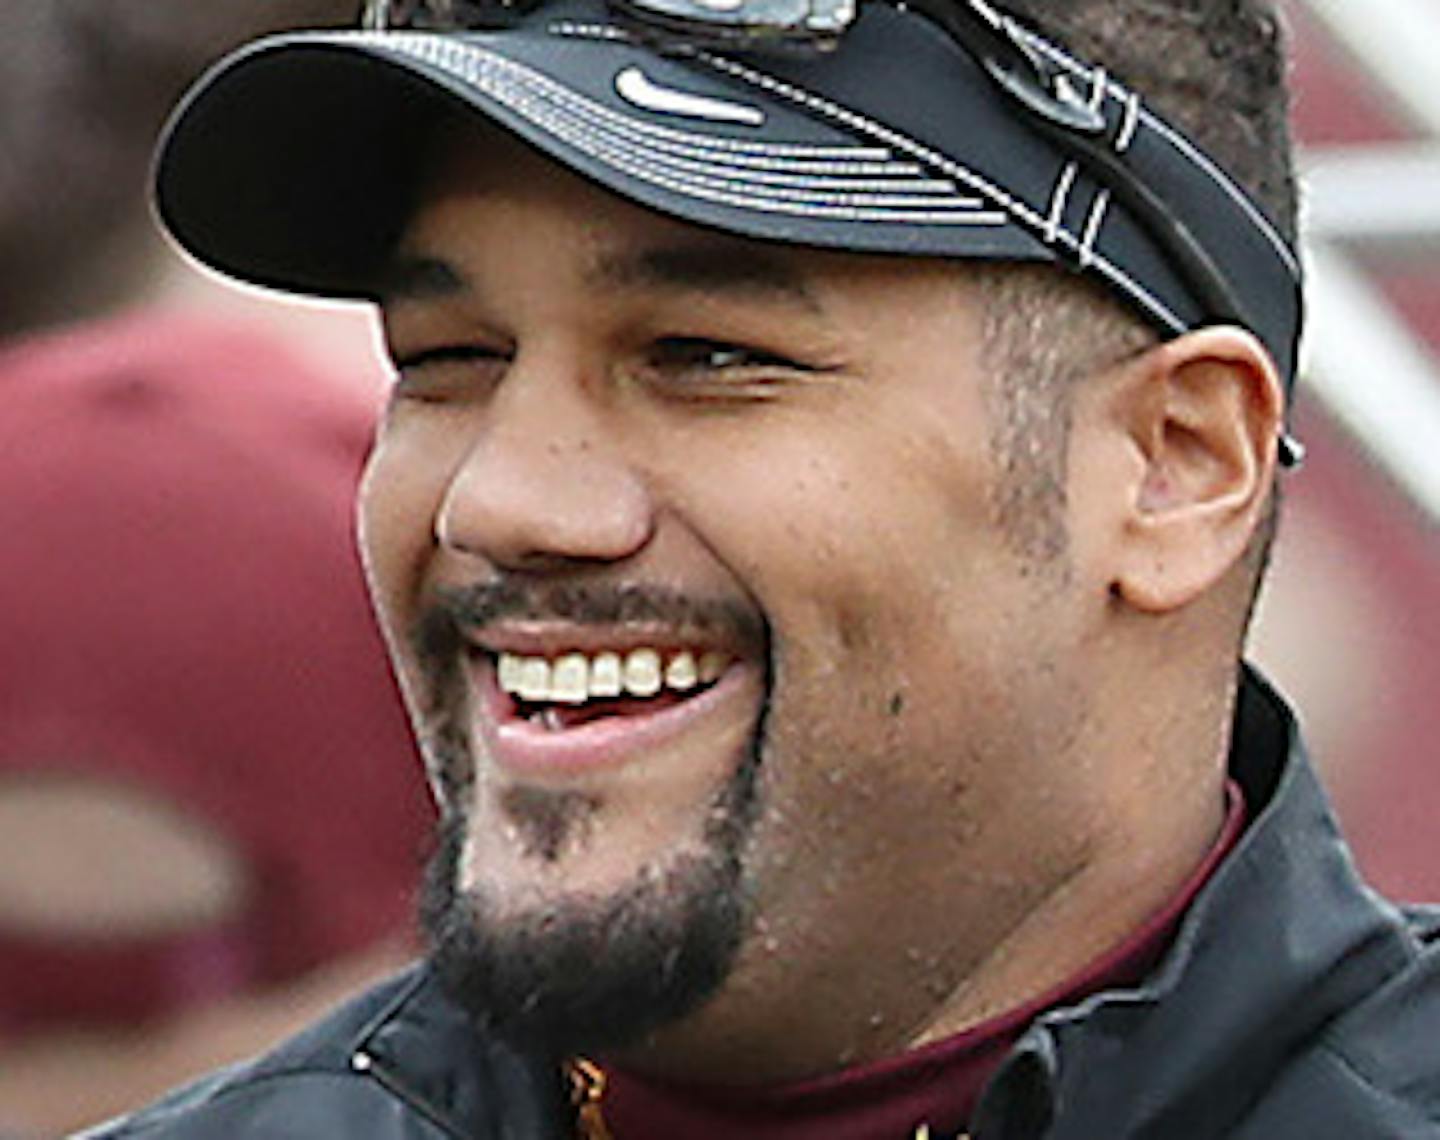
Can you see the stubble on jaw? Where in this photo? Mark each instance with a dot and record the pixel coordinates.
(439, 728)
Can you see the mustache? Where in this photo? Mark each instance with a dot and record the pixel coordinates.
(450, 611)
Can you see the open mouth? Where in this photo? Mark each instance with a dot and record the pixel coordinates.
(575, 710)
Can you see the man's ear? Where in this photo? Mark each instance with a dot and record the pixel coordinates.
(1202, 415)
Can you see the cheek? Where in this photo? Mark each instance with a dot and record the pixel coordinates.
(854, 558)
(400, 493)
(859, 554)
(898, 613)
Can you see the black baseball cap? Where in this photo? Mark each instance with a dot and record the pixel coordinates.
(293, 163)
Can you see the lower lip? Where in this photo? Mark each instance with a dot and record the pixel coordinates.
(607, 743)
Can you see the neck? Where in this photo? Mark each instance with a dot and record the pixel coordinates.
(1159, 816)
(1085, 916)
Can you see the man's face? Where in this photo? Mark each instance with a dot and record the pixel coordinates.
(769, 470)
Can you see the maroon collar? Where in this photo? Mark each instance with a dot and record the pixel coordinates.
(935, 1086)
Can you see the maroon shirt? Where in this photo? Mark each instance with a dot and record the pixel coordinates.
(935, 1086)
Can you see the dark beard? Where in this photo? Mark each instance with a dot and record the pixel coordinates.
(593, 976)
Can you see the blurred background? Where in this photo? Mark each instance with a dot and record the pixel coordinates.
(211, 816)
(1350, 623)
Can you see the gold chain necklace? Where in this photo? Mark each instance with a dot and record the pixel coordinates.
(587, 1090)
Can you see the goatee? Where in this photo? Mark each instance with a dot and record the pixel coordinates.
(590, 975)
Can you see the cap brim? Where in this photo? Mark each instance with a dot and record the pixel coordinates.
(295, 162)
(292, 165)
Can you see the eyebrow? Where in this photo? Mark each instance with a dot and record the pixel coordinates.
(419, 277)
(733, 270)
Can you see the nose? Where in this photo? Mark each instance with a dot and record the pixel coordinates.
(545, 483)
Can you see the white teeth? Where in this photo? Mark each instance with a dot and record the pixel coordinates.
(606, 675)
(642, 673)
(510, 671)
(681, 674)
(574, 678)
(549, 720)
(570, 680)
(534, 679)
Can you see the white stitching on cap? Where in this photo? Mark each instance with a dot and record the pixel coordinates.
(1065, 180)
(703, 163)
(490, 72)
(462, 60)
(1092, 228)
(1099, 83)
(1063, 185)
(1096, 216)
(623, 156)
(836, 192)
(720, 191)
(590, 31)
(1142, 113)
(1130, 125)
(1112, 86)
(1008, 202)
(885, 134)
(606, 119)
(838, 175)
(1102, 85)
(564, 112)
(1055, 234)
(849, 207)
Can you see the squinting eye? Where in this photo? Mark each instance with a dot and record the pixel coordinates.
(697, 353)
(448, 372)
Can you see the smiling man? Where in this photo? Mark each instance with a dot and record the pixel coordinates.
(830, 465)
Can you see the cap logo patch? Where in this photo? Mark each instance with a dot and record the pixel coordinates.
(634, 86)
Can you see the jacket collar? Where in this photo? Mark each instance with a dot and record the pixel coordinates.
(1283, 938)
(467, 1083)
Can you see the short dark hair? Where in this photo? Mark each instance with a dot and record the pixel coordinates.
(1216, 70)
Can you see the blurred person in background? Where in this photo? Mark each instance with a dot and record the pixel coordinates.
(188, 660)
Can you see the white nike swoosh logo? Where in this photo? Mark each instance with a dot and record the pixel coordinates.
(636, 87)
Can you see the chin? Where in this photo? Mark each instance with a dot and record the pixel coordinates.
(590, 967)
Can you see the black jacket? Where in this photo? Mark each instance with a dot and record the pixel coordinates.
(1294, 1003)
